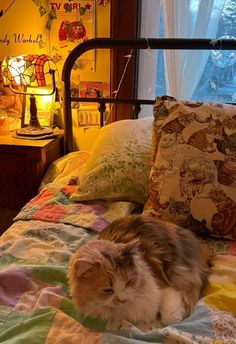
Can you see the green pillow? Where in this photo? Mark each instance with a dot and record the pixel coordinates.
(119, 165)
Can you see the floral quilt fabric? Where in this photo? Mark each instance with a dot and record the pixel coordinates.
(35, 306)
(52, 204)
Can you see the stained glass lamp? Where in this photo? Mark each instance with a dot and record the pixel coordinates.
(30, 72)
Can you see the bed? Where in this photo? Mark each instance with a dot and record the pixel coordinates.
(84, 191)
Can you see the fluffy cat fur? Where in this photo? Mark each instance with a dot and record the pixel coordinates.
(137, 269)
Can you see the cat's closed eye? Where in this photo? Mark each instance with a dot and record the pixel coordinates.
(108, 290)
(130, 282)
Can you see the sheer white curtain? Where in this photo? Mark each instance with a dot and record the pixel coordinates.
(188, 19)
(150, 21)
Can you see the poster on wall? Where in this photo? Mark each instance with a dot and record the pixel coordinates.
(45, 27)
(88, 114)
(74, 23)
(94, 89)
(22, 29)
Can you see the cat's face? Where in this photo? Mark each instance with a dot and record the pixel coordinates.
(185, 119)
(167, 140)
(199, 170)
(104, 275)
(214, 132)
(229, 125)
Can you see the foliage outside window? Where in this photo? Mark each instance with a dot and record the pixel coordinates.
(218, 81)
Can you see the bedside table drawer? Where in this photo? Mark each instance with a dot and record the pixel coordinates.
(16, 183)
(23, 164)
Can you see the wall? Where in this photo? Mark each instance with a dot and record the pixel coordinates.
(22, 31)
(85, 137)
(18, 24)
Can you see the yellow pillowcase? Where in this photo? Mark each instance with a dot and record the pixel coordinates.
(119, 165)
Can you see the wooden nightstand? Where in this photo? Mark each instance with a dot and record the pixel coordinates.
(23, 164)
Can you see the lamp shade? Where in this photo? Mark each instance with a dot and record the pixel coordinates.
(28, 70)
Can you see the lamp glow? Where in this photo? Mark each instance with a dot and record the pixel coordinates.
(36, 75)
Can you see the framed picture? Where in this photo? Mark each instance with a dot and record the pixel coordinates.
(88, 115)
(74, 23)
(94, 89)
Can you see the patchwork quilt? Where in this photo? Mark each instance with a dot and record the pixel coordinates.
(53, 205)
(35, 305)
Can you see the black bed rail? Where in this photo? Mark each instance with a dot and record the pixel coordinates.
(103, 101)
(136, 44)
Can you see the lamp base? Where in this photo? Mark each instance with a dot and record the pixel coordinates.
(33, 132)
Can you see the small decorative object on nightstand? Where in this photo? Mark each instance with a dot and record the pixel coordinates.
(23, 164)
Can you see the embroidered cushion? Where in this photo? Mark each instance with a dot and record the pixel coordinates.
(119, 165)
(193, 175)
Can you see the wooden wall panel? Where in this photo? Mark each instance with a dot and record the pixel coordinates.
(125, 19)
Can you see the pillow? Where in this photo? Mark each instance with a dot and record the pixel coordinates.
(119, 165)
(65, 168)
(193, 175)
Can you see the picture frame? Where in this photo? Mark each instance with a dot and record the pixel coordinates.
(88, 116)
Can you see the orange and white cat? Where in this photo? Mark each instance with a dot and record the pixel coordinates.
(137, 269)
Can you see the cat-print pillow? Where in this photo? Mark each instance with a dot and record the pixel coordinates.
(193, 175)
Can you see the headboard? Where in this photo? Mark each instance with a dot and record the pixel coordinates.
(136, 44)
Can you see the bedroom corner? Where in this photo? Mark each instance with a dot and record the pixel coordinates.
(55, 28)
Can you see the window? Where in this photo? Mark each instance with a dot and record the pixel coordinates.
(217, 81)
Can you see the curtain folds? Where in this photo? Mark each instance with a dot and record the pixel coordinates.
(188, 19)
(150, 21)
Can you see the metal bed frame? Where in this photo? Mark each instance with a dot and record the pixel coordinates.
(136, 44)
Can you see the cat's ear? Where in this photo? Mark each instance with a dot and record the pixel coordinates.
(81, 266)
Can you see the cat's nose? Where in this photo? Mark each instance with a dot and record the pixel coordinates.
(121, 299)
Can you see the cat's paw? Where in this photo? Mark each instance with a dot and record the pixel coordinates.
(172, 309)
(115, 325)
(125, 325)
(144, 327)
(170, 318)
